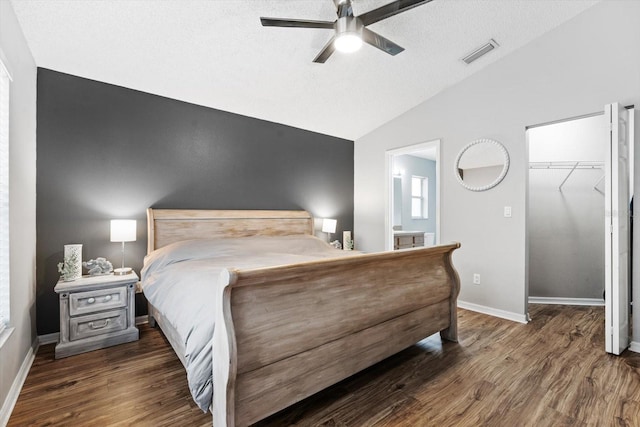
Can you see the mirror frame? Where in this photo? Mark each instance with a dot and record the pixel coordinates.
(498, 180)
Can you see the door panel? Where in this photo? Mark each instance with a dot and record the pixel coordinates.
(616, 231)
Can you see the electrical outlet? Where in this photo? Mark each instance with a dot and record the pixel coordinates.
(476, 278)
(507, 211)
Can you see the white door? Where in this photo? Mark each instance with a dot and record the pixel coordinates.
(616, 230)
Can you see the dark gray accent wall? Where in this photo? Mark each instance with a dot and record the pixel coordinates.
(107, 152)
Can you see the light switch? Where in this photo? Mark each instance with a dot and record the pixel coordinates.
(507, 211)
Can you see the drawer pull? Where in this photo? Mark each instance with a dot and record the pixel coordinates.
(91, 300)
(94, 326)
(107, 298)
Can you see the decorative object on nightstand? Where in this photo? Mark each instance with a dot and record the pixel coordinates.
(347, 241)
(71, 267)
(123, 230)
(329, 227)
(96, 312)
(98, 266)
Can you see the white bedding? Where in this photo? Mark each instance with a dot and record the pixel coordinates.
(178, 280)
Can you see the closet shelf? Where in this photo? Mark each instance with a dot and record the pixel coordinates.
(566, 165)
(571, 166)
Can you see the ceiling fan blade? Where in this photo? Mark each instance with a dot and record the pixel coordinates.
(388, 10)
(384, 44)
(295, 23)
(326, 52)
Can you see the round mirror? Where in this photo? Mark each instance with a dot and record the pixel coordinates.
(482, 164)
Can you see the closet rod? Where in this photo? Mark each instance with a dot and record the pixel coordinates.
(566, 165)
(571, 166)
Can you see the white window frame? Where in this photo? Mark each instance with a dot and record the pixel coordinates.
(423, 197)
(5, 311)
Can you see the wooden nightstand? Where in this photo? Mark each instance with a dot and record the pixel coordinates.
(96, 312)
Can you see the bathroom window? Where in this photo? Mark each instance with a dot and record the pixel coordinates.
(419, 197)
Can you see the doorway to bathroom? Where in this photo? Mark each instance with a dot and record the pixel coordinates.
(413, 196)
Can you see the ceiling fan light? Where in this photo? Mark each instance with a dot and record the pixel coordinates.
(348, 42)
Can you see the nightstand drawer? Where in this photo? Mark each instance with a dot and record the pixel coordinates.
(92, 301)
(97, 324)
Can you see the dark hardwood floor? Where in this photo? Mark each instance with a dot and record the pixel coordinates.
(551, 372)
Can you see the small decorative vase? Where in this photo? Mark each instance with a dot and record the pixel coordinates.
(74, 252)
(347, 242)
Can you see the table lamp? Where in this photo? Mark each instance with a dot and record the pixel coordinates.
(329, 226)
(123, 230)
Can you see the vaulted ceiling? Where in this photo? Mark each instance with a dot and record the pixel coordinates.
(216, 53)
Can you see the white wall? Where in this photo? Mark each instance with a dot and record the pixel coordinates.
(582, 140)
(573, 70)
(566, 228)
(566, 234)
(22, 214)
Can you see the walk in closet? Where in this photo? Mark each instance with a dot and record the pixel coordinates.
(566, 209)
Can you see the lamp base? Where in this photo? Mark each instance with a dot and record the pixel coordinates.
(122, 271)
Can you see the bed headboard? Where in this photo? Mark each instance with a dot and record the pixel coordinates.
(166, 226)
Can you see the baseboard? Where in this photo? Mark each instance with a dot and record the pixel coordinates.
(142, 319)
(566, 301)
(634, 346)
(48, 338)
(16, 387)
(515, 317)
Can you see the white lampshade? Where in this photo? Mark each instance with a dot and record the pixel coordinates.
(329, 225)
(348, 42)
(123, 230)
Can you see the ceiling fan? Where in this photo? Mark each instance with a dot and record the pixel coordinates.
(349, 30)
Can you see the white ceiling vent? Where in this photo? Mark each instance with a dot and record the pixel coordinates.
(481, 51)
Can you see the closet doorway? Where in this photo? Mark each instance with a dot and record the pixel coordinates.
(413, 196)
(579, 191)
(566, 212)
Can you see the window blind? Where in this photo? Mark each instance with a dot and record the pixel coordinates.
(4, 197)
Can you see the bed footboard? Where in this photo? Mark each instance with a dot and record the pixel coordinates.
(284, 333)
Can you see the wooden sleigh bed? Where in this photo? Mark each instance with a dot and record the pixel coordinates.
(286, 332)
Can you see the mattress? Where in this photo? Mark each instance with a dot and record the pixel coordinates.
(178, 281)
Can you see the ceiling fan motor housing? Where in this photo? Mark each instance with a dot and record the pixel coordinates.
(349, 25)
(348, 37)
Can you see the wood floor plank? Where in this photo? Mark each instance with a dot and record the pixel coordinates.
(550, 372)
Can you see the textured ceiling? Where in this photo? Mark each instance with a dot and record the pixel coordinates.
(215, 53)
